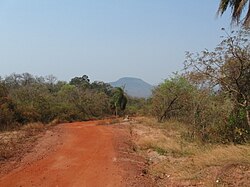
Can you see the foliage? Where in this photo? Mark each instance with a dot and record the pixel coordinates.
(7, 108)
(228, 68)
(119, 100)
(237, 7)
(25, 98)
(138, 106)
(171, 98)
(212, 97)
(80, 81)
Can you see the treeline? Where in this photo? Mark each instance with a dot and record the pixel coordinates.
(25, 98)
(212, 96)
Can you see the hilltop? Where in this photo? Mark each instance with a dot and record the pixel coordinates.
(134, 87)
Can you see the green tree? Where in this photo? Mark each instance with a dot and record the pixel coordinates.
(138, 106)
(83, 81)
(102, 87)
(77, 103)
(237, 7)
(34, 103)
(171, 98)
(119, 100)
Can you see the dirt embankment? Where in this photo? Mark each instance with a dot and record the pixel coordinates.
(80, 154)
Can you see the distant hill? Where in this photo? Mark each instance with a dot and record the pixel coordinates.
(134, 87)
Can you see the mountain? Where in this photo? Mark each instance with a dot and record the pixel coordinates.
(134, 87)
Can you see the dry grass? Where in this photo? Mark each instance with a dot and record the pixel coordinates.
(173, 158)
(55, 122)
(102, 122)
(109, 121)
(165, 136)
(189, 167)
(8, 143)
(114, 121)
(220, 155)
(33, 126)
(14, 142)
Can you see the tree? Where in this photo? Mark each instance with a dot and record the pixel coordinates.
(237, 7)
(171, 98)
(7, 108)
(138, 106)
(204, 113)
(82, 104)
(102, 87)
(17, 80)
(119, 100)
(34, 103)
(83, 81)
(226, 69)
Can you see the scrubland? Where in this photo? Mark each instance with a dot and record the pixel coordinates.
(175, 160)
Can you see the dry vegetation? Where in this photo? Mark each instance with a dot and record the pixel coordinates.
(13, 144)
(109, 121)
(176, 161)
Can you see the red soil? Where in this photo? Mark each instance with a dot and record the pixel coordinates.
(85, 155)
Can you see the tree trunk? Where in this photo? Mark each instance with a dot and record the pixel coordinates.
(168, 109)
(247, 107)
(116, 110)
(248, 116)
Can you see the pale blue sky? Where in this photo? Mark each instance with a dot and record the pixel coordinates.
(105, 39)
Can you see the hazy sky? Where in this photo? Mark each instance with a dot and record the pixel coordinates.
(105, 39)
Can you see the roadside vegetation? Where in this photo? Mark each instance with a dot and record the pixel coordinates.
(175, 160)
(26, 99)
(197, 129)
(212, 96)
(15, 143)
(29, 105)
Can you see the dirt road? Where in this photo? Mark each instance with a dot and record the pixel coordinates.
(86, 156)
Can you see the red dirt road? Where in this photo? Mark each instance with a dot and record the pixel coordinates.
(85, 157)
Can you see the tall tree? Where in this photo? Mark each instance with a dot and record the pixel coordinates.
(227, 67)
(237, 8)
(119, 100)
